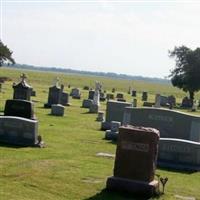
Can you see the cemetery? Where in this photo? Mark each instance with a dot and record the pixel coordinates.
(96, 149)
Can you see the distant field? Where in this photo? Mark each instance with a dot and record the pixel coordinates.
(68, 168)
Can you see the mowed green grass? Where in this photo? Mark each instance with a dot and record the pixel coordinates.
(68, 167)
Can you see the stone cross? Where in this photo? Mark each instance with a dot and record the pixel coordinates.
(23, 77)
(96, 93)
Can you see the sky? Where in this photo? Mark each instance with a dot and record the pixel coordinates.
(127, 37)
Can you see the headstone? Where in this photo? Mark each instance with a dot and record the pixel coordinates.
(0, 87)
(172, 100)
(57, 109)
(91, 94)
(86, 103)
(19, 108)
(135, 161)
(195, 105)
(22, 90)
(148, 104)
(33, 93)
(170, 123)
(134, 93)
(120, 96)
(75, 93)
(86, 87)
(112, 134)
(186, 103)
(164, 101)
(109, 96)
(100, 117)
(94, 107)
(102, 96)
(57, 96)
(129, 90)
(113, 90)
(18, 131)
(134, 102)
(114, 112)
(179, 154)
(64, 99)
(144, 96)
(157, 101)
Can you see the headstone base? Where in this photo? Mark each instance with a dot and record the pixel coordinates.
(111, 135)
(134, 187)
(94, 108)
(105, 126)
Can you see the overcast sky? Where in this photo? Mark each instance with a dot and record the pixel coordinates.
(130, 37)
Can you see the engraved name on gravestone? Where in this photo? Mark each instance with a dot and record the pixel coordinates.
(114, 112)
(135, 161)
(171, 124)
(179, 154)
(22, 90)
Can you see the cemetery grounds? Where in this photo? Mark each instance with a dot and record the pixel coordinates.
(68, 168)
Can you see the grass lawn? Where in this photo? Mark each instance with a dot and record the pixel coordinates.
(68, 167)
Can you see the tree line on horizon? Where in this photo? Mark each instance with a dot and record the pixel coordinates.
(185, 75)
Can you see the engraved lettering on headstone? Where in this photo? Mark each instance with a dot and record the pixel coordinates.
(135, 146)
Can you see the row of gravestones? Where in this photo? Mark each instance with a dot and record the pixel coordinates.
(179, 145)
(19, 125)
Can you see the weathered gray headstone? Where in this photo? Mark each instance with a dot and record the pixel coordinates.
(18, 131)
(157, 101)
(170, 123)
(22, 90)
(179, 154)
(135, 161)
(86, 103)
(114, 112)
(112, 134)
(75, 93)
(100, 117)
(57, 109)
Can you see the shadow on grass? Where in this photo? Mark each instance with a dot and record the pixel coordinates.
(11, 145)
(111, 195)
(88, 113)
(182, 171)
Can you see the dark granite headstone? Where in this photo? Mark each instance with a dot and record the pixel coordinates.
(120, 96)
(19, 108)
(144, 96)
(134, 93)
(91, 94)
(109, 96)
(135, 161)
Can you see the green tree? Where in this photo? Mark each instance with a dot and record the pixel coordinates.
(5, 54)
(186, 74)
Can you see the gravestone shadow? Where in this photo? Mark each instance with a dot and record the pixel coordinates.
(11, 146)
(111, 195)
(177, 170)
